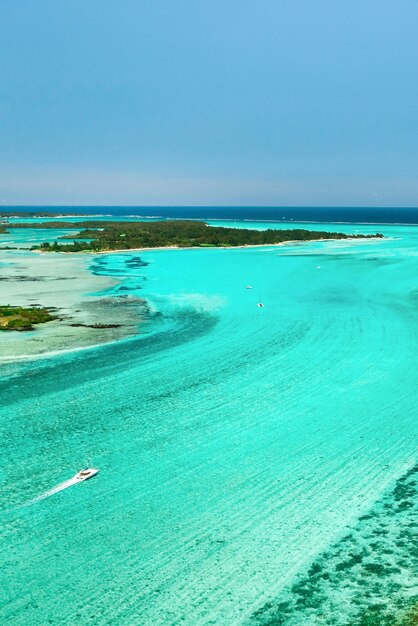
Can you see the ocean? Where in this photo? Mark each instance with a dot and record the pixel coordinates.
(257, 465)
(355, 215)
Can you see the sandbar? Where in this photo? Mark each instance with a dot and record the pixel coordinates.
(63, 283)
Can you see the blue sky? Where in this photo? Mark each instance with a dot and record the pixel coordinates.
(270, 102)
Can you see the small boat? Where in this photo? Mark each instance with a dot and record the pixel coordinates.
(80, 477)
(248, 287)
(260, 304)
(87, 473)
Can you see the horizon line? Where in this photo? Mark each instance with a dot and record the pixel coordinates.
(205, 206)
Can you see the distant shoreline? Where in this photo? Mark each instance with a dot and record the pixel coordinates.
(360, 215)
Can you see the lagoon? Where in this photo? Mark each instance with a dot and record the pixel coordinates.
(238, 446)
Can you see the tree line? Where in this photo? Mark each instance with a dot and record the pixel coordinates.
(181, 233)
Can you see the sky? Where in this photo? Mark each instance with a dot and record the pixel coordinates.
(220, 102)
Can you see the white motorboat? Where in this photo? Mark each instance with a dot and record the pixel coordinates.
(80, 477)
(87, 473)
(260, 304)
(248, 287)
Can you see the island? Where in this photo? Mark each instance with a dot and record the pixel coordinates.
(108, 236)
(23, 318)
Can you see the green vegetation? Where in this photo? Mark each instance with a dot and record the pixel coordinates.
(182, 233)
(21, 318)
(379, 615)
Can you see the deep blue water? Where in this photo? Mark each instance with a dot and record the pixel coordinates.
(376, 215)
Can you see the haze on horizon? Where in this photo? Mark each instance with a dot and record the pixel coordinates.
(296, 102)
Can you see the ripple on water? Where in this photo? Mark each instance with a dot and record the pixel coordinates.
(370, 577)
(235, 444)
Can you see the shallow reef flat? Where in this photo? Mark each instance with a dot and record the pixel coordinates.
(66, 287)
(369, 577)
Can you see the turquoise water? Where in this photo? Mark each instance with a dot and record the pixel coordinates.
(238, 446)
(28, 237)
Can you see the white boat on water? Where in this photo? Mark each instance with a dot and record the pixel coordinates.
(85, 474)
(80, 477)
(260, 305)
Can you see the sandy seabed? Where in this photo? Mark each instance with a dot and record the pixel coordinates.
(64, 284)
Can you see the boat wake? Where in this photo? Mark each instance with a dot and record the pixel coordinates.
(81, 476)
(60, 487)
